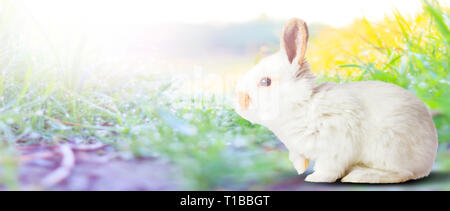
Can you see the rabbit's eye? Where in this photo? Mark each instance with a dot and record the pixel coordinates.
(265, 81)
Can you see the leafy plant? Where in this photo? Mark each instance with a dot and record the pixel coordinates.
(410, 52)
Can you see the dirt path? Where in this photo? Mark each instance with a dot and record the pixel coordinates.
(92, 167)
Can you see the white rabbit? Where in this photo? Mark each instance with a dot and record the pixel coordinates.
(362, 132)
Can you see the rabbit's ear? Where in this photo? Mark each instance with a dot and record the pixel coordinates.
(294, 40)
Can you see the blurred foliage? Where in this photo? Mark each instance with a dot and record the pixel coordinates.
(412, 52)
(51, 95)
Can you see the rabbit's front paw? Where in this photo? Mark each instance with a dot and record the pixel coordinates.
(301, 165)
(300, 162)
(317, 177)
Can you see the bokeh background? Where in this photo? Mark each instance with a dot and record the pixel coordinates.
(135, 95)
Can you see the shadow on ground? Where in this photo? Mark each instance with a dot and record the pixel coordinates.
(435, 181)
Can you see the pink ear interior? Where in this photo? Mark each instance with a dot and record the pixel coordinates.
(294, 40)
(290, 41)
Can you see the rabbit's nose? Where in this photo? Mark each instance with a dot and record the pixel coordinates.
(244, 100)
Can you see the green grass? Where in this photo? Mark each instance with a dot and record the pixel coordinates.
(420, 64)
(138, 114)
(50, 100)
(213, 146)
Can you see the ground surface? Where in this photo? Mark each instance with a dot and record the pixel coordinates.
(92, 167)
(100, 167)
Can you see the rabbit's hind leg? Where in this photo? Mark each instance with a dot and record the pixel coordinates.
(360, 174)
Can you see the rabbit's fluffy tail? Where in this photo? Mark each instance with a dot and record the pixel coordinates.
(361, 174)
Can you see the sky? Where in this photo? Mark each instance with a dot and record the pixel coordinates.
(332, 12)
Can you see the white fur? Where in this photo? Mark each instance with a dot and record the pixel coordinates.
(362, 132)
